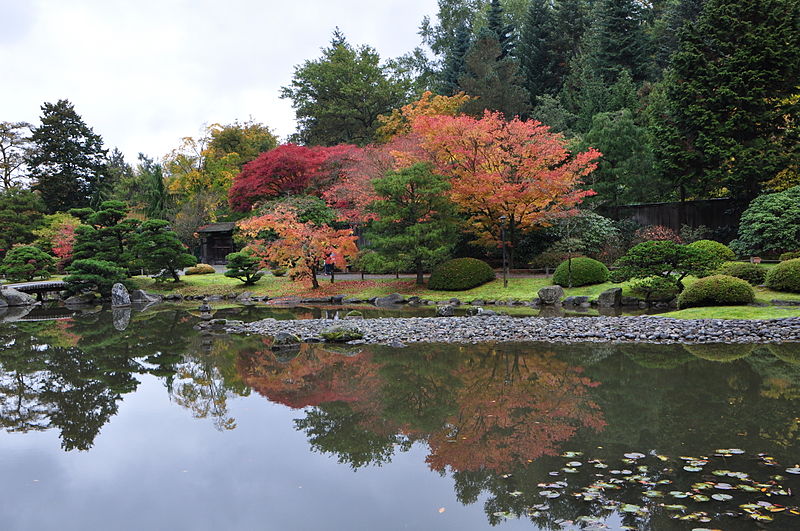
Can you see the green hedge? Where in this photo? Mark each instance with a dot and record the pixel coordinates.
(790, 256)
(752, 273)
(585, 271)
(785, 276)
(718, 250)
(460, 274)
(717, 290)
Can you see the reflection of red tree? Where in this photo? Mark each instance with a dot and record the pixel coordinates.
(512, 409)
(313, 377)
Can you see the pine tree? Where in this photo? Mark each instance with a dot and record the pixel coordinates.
(617, 41)
(735, 75)
(570, 20)
(68, 161)
(455, 64)
(107, 234)
(677, 16)
(496, 83)
(158, 249)
(536, 53)
(415, 224)
(496, 23)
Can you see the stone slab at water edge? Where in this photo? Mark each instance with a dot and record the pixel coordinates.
(638, 329)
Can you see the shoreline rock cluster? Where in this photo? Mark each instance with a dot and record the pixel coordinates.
(479, 329)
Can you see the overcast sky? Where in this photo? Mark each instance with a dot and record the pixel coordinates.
(144, 73)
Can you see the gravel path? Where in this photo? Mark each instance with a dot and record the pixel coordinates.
(639, 329)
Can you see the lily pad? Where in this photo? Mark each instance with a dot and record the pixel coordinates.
(793, 470)
(721, 497)
(693, 468)
(634, 455)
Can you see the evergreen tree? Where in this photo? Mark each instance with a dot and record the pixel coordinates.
(496, 23)
(626, 172)
(731, 93)
(455, 64)
(116, 170)
(570, 20)
(536, 53)
(415, 224)
(338, 97)
(14, 146)
(617, 41)
(21, 213)
(67, 161)
(107, 235)
(677, 15)
(159, 250)
(495, 82)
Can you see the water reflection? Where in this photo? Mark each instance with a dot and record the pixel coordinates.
(495, 419)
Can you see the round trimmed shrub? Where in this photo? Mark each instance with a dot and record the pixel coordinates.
(785, 276)
(200, 269)
(585, 271)
(753, 273)
(654, 288)
(27, 262)
(718, 250)
(790, 256)
(460, 274)
(717, 290)
(278, 271)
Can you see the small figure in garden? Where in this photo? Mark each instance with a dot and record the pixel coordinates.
(329, 263)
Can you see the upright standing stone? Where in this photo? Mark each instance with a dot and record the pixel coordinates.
(610, 298)
(551, 294)
(119, 296)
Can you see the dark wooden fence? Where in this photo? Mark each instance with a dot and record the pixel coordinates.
(713, 213)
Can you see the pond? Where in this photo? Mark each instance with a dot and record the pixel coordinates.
(159, 427)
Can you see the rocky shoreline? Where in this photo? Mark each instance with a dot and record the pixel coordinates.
(479, 329)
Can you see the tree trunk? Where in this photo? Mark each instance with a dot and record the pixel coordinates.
(175, 275)
(333, 273)
(314, 282)
(420, 273)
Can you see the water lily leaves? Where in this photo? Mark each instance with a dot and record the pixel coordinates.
(793, 470)
(515, 494)
(569, 470)
(693, 468)
(573, 464)
(721, 497)
(549, 494)
(505, 514)
(571, 455)
(730, 451)
(654, 494)
(631, 508)
(674, 507)
(679, 494)
(701, 498)
(634, 455)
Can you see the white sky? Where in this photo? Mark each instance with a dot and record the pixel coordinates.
(145, 73)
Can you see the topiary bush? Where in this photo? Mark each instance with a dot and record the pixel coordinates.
(770, 225)
(460, 274)
(27, 262)
(94, 275)
(753, 273)
(790, 256)
(717, 290)
(278, 271)
(200, 269)
(580, 272)
(719, 250)
(666, 259)
(654, 288)
(244, 266)
(785, 276)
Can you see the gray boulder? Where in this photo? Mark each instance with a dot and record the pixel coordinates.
(141, 296)
(13, 298)
(81, 300)
(283, 340)
(610, 298)
(576, 300)
(394, 298)
(120, 297)
(445, 311)
(549, 295)
(482, 312)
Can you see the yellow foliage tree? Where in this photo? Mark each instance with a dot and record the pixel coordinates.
(430, 104)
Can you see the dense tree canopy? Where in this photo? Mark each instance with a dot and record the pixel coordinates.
(338, 97)
(67, 160)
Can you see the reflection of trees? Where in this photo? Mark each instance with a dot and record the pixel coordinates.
(206, 379)
(476, 408)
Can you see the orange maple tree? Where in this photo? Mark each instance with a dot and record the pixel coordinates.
(430, 104)
(514, 175)
(300, 247)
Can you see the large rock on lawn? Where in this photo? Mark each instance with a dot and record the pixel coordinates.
(394, 298)
(142, 297)
(551, 294)
(445, 311)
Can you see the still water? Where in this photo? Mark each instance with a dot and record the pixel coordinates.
(158, 427)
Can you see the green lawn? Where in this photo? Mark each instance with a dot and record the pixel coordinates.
(735, 312)
(217, 284)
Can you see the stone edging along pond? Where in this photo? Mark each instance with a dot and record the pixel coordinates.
(478, 329)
